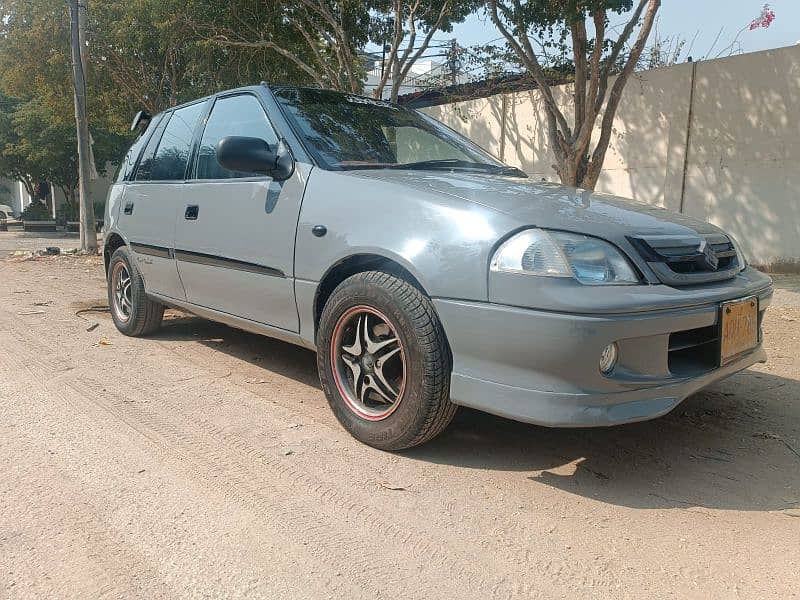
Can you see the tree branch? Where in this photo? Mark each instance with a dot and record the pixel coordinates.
(397, 37)
(598, 156)
(611, 59)
(583, 135)
(557, 124)
(579, 40)
(223, 40)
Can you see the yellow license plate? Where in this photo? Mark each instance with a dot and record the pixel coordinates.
(739, 332)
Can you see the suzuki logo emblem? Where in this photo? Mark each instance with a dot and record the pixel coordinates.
(708, 257)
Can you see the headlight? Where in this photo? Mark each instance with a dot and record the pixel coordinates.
(559, 254)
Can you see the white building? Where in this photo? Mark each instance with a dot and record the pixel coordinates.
(423, 74)
(14, 194)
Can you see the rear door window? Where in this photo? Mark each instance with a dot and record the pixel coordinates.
(240, 115)
(172, 156)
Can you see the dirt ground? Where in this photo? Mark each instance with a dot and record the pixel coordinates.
(204, 462)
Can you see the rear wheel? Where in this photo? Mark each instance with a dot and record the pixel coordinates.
(133, 312)
(384, 362)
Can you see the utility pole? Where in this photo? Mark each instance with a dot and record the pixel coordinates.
(453, 61)
(77, 26)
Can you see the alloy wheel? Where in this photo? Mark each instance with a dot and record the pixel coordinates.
(121, 282)
(368, 362)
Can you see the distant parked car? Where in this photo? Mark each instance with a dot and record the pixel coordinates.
(6, 212)
(425, 273)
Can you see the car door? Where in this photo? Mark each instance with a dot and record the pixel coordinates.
(235, 236)
(154, 196)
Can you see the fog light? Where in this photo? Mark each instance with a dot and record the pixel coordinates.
(608, 359)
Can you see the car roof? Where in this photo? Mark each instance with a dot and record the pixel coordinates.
(328, 91)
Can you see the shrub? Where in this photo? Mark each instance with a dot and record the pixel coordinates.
(36, 211)
(67, 212)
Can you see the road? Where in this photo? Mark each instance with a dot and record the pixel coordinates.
(204, 462)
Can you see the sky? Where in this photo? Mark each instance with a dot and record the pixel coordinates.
(684, 19)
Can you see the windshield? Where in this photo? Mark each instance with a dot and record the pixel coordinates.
(343, 131)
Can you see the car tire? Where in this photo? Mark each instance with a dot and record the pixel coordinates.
(354, 344)
(133, 312)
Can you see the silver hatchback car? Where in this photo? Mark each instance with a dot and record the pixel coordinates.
(425, 273)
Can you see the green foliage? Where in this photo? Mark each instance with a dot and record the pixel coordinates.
(426, 16)
(39, 144)
(68, 211)
(12, 164)
(304, 41)
(153, 54)
(549, 16)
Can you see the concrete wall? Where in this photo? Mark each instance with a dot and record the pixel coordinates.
(740, 147)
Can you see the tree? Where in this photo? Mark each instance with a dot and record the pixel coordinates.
(314, 40)
(37, 145)
(151, 54)
(408, 26)
(35, 75)
(13, 164)
(595, 62)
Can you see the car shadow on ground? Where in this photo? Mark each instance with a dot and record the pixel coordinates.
(282, 358)
(732, 446)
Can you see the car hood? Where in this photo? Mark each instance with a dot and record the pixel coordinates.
(549, 205)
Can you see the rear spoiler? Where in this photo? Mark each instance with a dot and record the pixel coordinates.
(141, 121)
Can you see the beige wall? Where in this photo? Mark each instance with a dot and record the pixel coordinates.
(743, 164)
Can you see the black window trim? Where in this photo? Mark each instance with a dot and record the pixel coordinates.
(196, 151)
(268, 103)
(317, 160)
(167, 117)
(155, 122)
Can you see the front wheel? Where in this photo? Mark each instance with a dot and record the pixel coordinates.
(384, 362)
(133, 312)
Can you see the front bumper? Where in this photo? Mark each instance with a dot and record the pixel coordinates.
(542, 367)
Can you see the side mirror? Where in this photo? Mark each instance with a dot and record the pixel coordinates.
(141, 121)
(254, 155)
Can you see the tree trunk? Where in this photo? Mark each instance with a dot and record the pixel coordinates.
(577, 164)
(397, 80)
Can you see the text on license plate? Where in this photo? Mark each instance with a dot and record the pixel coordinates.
(739, 330)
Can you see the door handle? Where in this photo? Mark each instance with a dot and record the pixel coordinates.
(191, 212)
(128, 210)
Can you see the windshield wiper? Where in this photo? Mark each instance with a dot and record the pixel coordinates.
(445, 164)
(455, 163)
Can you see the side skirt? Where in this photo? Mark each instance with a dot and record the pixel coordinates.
(234, 321)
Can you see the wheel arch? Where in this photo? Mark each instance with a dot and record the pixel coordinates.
(351, 265)
(111, 244)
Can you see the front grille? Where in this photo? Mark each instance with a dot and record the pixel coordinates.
(688, 259)
(693, 351)
(696, 351)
